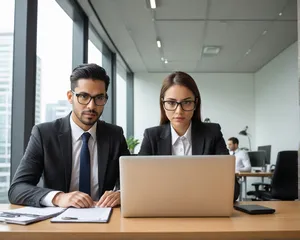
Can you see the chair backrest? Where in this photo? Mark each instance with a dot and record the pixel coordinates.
(285, 178)
(257, 158)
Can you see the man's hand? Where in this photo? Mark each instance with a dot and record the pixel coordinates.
(109, 199)
(73, 199)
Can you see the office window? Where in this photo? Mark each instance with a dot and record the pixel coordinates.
(121, 97)
(2, 149)
(5, 170)
(2, 121)
(94, 54)
(54, 61)
(6, 63)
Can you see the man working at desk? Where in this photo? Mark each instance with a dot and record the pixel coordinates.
(78, 155)
(242, 161)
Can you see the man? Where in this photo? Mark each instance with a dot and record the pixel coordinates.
(242, 161)
(78, 155)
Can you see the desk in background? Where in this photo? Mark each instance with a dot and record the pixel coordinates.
(284, 224)
(244, 175)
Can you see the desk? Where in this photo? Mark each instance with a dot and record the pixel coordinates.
(284, 224)
(244, 176)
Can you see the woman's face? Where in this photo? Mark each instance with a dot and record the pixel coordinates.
(179, 114)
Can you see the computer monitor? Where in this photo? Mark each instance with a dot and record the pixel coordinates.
(267, 149)
(257, 158)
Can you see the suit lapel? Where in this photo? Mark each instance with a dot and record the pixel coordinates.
(103, 153)
(165, 141)
(65, 143)
(198, 139)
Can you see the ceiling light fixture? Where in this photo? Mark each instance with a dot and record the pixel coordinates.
(158, 43)
(162, 59)
(152, 4)
(280, 14)
(211, 50)
(264, 32)
(166, 61)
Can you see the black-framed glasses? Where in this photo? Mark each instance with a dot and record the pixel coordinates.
(187, 105)
(85, 98)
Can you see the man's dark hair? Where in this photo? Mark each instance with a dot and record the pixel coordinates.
(89, 71)
(234, 140)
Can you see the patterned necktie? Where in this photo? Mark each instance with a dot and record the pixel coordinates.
(85, 166)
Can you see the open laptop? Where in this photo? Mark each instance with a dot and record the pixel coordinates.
(177, 186)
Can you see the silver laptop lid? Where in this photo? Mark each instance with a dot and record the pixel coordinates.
(168, 186)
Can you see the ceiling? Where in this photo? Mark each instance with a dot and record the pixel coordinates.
(249, 32)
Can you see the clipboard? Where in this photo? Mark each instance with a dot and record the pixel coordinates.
(84, 215)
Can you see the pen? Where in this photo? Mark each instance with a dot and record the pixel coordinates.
(69, 218)
(81, 219)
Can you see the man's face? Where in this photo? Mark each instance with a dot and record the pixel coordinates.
(231, 146)
(85, 113)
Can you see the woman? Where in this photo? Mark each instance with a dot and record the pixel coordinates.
(181, 131)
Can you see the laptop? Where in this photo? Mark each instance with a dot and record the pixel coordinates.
(177, 186)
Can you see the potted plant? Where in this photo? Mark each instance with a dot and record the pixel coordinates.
(132, 143)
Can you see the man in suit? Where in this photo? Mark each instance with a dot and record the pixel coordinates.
(78, 155)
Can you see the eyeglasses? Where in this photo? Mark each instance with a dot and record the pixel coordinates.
(85, 99)
(187, 105)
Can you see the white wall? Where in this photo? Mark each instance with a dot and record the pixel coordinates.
(276, 103)
(227, 99)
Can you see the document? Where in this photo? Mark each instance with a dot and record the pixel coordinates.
(84, 215)
(27, 215)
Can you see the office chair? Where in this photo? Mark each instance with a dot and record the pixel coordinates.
(284, 184)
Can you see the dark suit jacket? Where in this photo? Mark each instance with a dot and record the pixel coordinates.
(207, 139)
(49, 153)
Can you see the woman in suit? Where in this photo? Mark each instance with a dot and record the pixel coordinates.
(181, 131)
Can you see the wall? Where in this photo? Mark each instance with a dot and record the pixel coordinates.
(276, 103)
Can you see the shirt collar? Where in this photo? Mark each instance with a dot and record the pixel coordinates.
(187, 135)
(77, 131)
(235, 151)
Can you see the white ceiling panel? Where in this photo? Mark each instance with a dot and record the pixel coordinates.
(181, 40)
(246, 9)
(181, 9)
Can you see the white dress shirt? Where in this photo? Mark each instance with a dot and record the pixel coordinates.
(76, 147)
(242, 161)
(182, 145)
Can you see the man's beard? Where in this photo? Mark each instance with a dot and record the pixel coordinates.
(91, 122)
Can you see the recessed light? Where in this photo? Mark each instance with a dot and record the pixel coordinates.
(162, 59)
(166, 60)
(280, 14)
(264, 32)
(152, 4)
(211, 50)
(158, 43)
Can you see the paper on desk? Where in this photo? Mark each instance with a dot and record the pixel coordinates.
(95, 214)
(37, 211)
(26, 215)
